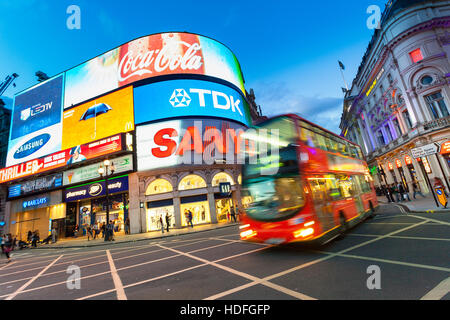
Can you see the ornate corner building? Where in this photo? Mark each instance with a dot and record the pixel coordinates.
(399, 101)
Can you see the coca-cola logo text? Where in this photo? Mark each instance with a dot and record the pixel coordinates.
(159, 61)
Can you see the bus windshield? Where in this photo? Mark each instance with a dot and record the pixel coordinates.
(278, 195)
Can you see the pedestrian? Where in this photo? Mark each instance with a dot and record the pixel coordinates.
(394, 191)
(404, 194)
(2, 242)
(385, 191)
(190, 218)
(96, 230)
(54, 234)
(167, 221)
(233, 214)
(29, 235)
(75, 231)
(34, 239)
(110, 231)
(416, 190)
(89, 232)
(161, 223)
(7, 247)
(103, 230)
(127, 226)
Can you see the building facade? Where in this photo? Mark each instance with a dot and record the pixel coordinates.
(399, 101)
(167, 110)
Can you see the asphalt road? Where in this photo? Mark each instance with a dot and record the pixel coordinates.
(392, 256)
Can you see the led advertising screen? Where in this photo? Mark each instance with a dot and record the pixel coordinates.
(36, 122)
(77, 175)
(177, 98)
(99, 118)
(187, 141)
(151, 56)
(40, 184)
(62, 158)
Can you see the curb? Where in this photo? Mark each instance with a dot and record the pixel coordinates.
(407, 209)
(135, 240)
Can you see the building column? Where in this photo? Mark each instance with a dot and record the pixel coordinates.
(212, 204)
(134, 210)
(177, 210)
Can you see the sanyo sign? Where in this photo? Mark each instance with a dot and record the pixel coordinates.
(177, 98)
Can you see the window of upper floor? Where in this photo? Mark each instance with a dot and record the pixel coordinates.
(416, 55)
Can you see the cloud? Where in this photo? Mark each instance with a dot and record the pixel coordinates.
(277, 98)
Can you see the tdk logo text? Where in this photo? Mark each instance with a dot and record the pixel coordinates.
(34, 110)
(31, 146)
(220, 100)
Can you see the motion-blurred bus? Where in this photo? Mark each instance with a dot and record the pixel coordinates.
(321, 188)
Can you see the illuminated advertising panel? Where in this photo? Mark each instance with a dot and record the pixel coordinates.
(177, 98)
(36, 122)
(151, 56)
(121, 164)
(99, 118)
(40, 184)
(96, 189)
(445, 147)
(398, 163)
(187, 141)
(62, 158)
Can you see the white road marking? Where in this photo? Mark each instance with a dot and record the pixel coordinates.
(430, 219)
(22, 288)
(293, 293)
(439, 291)
(398, 237)
(116, 279)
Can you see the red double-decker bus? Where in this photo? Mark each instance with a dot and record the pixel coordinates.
(320, 189)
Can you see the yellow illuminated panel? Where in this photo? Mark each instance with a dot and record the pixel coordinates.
(99, 118)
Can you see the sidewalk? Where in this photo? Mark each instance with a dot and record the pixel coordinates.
(418, 205)
(82, 242)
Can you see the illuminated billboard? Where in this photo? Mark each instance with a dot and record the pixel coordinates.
(151, 56)
(187, 141)
(62, 158)
(177, 98)
(99, 118)
(36, 122)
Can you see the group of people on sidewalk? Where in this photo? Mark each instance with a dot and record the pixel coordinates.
(107, 230)
(402, 194)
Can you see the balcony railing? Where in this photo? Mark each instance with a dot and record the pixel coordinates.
(420, 129)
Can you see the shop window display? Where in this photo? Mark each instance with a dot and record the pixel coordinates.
(220, 178)
(200, 213)
(116, 211)
(192, 182)
(159, 186)
(223, 209)
(153, 215)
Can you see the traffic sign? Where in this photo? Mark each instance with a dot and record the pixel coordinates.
(424, 151)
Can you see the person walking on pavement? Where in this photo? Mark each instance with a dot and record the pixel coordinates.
(233, 214)
(103, 230)
(394, 191)
(110, 229)
(167, 221)
(127, 226)
(161, 223)
(190, 218)
(7, 247)
(54, 234)
(403, 193)
(89, 232)
(386, 192)
(34, 239)
(96, 230)
(416, 190)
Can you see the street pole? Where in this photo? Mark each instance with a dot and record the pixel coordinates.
(107, 196)
(428, 181)
(442, 170)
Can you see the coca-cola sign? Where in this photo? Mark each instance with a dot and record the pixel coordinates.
(151, 56)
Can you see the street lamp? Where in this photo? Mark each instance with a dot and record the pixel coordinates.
(104, 171)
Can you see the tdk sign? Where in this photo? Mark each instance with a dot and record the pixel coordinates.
(219, 100)
(31, 146)
(187, 98)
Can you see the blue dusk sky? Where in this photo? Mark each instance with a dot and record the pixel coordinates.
(288, 50)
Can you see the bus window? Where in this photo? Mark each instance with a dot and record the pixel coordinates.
(365, 187)
(332, 187)
(331, 144)
(318, 189)
(308, 137)
(346, 186)
(321, 142)
(353, 152)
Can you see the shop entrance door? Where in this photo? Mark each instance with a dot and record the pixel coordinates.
(60, 226)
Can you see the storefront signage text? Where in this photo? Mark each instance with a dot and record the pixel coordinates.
(29, 204)
(96, 189)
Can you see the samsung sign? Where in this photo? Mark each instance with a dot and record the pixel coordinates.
(96, 189)
(179, 98)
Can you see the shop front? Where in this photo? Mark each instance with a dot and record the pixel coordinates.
(88, 203)
(37, 214)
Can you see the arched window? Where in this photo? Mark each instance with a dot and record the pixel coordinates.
(158, 186)
(192, 181)
(222, 177)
